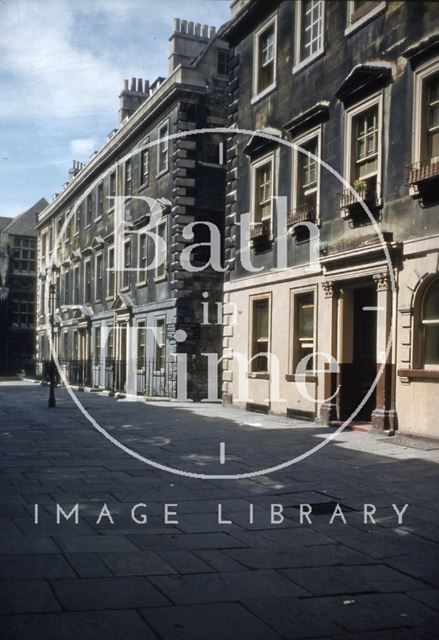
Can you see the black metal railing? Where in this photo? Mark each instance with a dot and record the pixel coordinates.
(303, 213)
(77, 372)
(157, 378)
(154, 379)
(260, 230)
(422, 170)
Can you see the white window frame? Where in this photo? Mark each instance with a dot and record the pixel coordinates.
(256, 38)
(128, 162)
(75, 284)
(97, 331)
(145, 153)
(87, 261)
(351, 27)
(126, 287)
(294, 350)
(351, 113)
(298, 63)
(254, 299)
(142, 281)
(141, 325)
(159, 277)
(309, 135)
(428, 366)
(421, 76)
(98, 215)
(164, 124)
(254, 167)
(88, 198)
(43, 248)
(110, 294)
(111, 196)
(101, 256)
(77, 218)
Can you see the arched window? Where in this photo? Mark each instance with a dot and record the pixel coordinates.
(430, 325)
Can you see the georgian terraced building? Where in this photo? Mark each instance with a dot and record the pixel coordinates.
(110, 309)
(356, 84)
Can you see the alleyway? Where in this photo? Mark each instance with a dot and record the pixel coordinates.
(194, 578)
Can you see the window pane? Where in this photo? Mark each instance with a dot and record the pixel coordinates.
(261, 320)
(260, 329)
(431, 353)
(263, 192)
(266, 47)
(311, 28)
(431, 302)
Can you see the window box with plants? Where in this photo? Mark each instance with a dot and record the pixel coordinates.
(260, 231)
(351, 204)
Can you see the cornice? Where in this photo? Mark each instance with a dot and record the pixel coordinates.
(183, 80)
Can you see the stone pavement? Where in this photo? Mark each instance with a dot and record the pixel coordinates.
(193, 578)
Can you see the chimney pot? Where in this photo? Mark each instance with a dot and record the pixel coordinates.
(125, 85)
(197, 29)
(176, 25)
(212, 32)
(146, 86)
(140, 85)
(184, 26)
(205, 31)
(133, 84)
(190, 28)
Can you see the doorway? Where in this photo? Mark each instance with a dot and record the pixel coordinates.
(359, 374)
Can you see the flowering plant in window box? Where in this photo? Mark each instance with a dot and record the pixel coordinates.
(260, 230)
(351, 203)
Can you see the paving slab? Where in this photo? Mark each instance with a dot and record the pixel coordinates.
(220, 621)
(223, 587)
(200, 578)
(96, 625)
(111, 593)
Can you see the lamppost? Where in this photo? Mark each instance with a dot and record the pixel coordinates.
(52, 302)
(52, 305)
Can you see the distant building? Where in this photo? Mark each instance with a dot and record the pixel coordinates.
(18, 272)
(107, 316)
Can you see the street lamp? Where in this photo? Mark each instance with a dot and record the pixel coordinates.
(52, 301)
(52, 305)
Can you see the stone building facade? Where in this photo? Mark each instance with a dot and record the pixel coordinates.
(134, 202)
(356, 85)
(18, 276)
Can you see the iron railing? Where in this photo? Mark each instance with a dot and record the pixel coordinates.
(260, 230)
(422, 170)
(348, 199)
(303, 213)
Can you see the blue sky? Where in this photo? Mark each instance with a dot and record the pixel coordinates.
(62, 66)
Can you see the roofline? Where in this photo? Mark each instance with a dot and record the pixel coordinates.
(175, 83)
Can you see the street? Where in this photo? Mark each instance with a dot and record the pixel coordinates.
(165, 556)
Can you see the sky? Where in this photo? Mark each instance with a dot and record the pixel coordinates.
(62, 66)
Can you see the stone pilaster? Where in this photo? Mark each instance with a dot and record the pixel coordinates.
(384, 417)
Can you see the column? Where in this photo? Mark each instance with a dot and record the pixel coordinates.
(328, 328)
(384, 417)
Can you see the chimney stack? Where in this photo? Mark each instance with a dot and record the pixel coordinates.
(75, 169)
(132, 96)
(188, 41)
